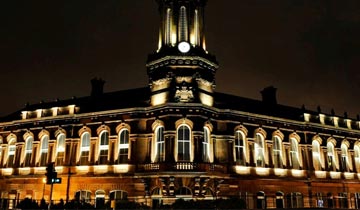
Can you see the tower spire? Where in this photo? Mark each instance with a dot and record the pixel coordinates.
(181, 20)
(181, 70)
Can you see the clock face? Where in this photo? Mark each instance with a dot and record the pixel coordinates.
(184, 47)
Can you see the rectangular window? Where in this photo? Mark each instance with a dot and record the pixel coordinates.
(43, 159)
(123, 155)
(11, 156)
(277, 152)
(60, 158)
(103, 156)
(10, 161)
(160, 145)
(206, 146)
(84, 158)
(27, 160)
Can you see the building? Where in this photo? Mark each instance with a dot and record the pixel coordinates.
(179, 138)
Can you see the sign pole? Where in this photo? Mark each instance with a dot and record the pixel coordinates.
(51, 190)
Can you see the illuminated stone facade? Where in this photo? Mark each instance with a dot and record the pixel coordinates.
(180, 139)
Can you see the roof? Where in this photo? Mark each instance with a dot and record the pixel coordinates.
(140, 97)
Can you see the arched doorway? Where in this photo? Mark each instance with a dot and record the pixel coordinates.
(330, 200)
(343, 200)
(319, 200)
(100, 199)
(357, 200)
(156, 196)
(279, 200)
(260, 200)
(184, 193)
(295, 200)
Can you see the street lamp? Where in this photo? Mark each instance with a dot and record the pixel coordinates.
(44, 182)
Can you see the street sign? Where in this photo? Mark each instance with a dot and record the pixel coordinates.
(56, 180)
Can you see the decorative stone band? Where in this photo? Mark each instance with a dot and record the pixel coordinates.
(182, 61)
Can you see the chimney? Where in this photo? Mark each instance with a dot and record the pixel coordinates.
(97, 87)
(269, 95)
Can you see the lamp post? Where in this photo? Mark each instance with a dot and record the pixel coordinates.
(44, 182)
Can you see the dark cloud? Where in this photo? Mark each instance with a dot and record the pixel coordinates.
(308, 49)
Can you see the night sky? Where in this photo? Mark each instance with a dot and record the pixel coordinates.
(308, 49)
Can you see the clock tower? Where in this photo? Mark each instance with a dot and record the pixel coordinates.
(181, 70)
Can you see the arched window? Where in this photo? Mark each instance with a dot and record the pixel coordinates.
(84, 149)
(357, 157)
(331, 156)
(259, 150)
(123, 146)
(28, 151)
(159, 144)
(317, 163)
(11, 153)
(239, 147)
(183, 25)
(104, 147)
(277, 152)
(294, 153)
(206, 145)
(344, 158)
(83, 196)
(183, 143)
(44, 150)
(118, 195)
(60, 149)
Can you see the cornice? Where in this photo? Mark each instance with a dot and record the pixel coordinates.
(173, 107)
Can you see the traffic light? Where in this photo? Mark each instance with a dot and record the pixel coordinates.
(50, 174)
